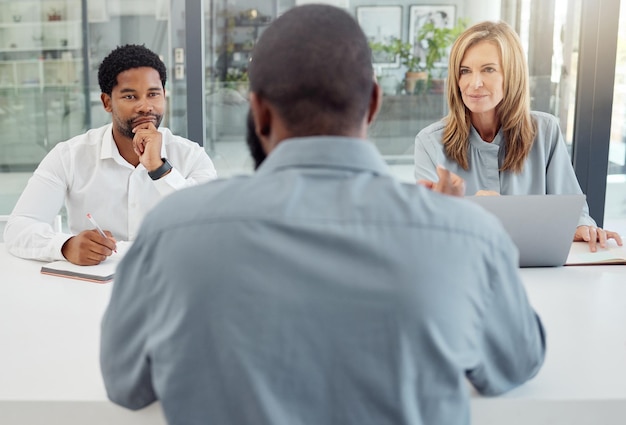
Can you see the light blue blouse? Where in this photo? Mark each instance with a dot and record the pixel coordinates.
(548, 169)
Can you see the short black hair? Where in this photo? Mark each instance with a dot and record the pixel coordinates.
(314, 64)
(124, 58)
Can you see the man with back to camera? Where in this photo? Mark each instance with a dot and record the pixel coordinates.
(318, 290)
(117, 172)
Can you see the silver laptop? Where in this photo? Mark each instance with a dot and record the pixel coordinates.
(542, 226)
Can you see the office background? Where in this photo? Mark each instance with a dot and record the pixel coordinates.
(50, 51)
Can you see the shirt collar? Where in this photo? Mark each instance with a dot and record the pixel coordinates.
(326, 152)
(109, 148)
(479, 143)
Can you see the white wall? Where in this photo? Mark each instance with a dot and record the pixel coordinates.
(482, 10)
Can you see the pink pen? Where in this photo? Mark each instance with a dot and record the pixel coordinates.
(98, 228)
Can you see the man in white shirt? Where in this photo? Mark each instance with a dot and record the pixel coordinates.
(117, 172)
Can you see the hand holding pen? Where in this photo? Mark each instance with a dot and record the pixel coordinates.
(98, 228)
(89, 247)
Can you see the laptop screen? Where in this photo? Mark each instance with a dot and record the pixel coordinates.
(542, 226)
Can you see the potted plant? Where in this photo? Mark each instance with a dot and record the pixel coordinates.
(436, 41)
(237, 79)
(54, 14)
(415, 70)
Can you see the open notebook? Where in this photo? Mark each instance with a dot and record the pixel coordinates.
(100, 273)
(579, 254)
(542, 226)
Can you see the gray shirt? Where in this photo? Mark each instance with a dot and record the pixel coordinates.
(320, 290)
(547, 170)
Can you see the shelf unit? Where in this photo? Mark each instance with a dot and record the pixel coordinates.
(40, 44)
(41, 77)
(236, 33)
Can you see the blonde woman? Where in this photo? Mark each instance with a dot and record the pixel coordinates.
(490, 137)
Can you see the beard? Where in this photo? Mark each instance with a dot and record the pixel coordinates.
(254, 143)
(126, 127)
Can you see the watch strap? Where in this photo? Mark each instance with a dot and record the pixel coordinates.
(161, 171)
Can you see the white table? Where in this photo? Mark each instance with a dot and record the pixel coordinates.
(50, 326)
(49, 357)
(583, 380)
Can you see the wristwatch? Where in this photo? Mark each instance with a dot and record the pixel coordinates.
(161, 171)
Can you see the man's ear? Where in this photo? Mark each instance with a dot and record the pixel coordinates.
(376, 101)
(106, 101)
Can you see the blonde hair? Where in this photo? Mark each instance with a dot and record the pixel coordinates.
(518, 127)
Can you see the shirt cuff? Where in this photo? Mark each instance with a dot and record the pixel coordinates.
(171, 182)
(56, 244)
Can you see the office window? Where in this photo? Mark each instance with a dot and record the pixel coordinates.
(615, 205)
(231, 30)
(234, 26)
(49, 57)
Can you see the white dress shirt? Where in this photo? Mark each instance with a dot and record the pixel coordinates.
(89, 175)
